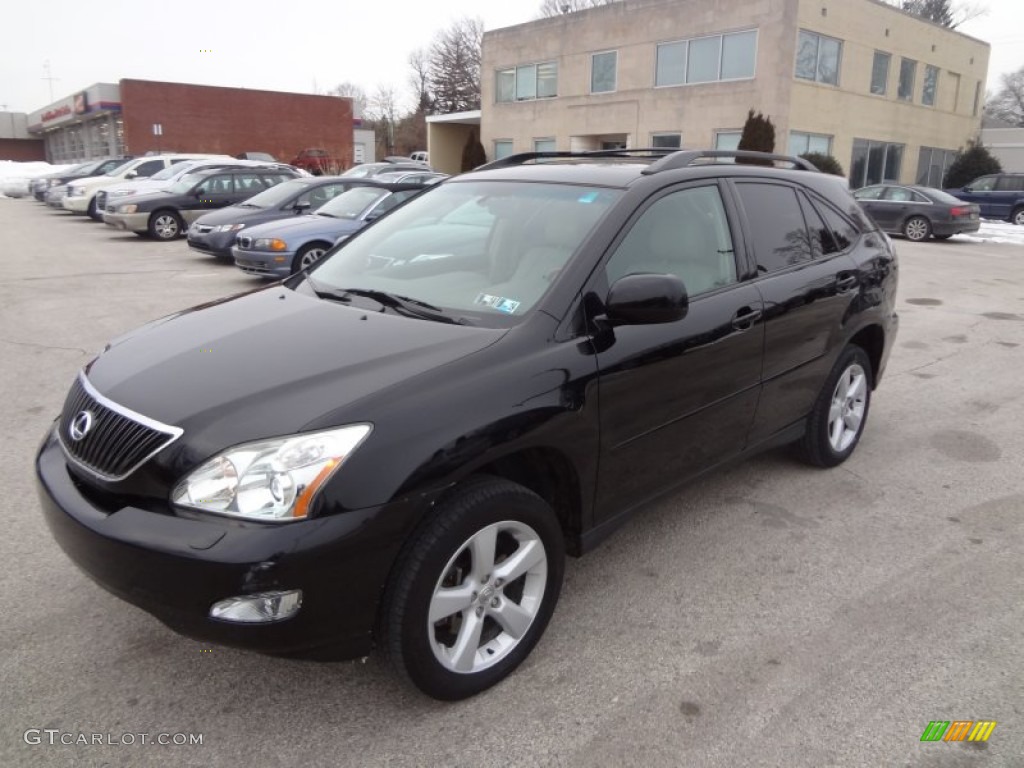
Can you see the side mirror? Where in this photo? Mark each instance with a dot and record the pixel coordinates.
(300, 207)
(131, 174)
(646, 300)
(968, 189)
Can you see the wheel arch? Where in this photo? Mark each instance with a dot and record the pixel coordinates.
(872, 340)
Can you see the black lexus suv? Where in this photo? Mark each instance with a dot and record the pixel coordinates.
(397, 447)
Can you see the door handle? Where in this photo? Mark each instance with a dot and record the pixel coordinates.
(846, 283)
(745, 318)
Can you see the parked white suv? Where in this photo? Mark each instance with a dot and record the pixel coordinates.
(81, 197)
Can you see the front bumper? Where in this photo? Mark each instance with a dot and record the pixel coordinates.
(129, 222)
(263, 263)
(79, 204)
(212, 243)
(176, 568)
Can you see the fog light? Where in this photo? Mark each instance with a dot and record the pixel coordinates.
(260, 608)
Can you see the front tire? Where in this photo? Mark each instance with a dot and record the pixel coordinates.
(473, 589)
(837, 422)
(308, 256)
(165, 225)
(917, 228)
(91, 211)
(1017, 217)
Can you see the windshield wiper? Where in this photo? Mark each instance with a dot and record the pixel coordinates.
(414, 307)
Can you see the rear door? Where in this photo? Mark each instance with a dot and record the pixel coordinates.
(807, 281)
(904, 203)
(676, 398)
(1009, 190)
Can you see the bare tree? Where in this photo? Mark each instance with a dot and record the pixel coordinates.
(419, 79)
(454, 66)
(1008, 103)
(945, 12)
(351, 91)
(558, 7)
(382, 109)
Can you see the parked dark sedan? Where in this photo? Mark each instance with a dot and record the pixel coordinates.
(41, 184)
(918, 212)
(398, 447)
(164, 215)
(215, 233)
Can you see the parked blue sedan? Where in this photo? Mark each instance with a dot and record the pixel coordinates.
(281, 248)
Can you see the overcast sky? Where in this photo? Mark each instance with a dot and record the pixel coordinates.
(303, 46)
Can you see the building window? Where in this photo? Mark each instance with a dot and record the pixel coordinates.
(502, 148)
(931, 83)
(908, 72)
(818, 58)
(728, 139)
(977, 98)
(667, 140)
(880, 73)
(932, 165)
(803, 143)
(707, 59)
(544, 145)
(874, 162)
(954, 80)
(603, 68)
(528, 82)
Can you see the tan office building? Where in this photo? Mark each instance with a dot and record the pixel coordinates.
(889, 95)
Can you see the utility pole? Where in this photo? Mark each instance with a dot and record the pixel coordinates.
(49, 77)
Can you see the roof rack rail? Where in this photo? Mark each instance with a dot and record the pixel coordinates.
(524, 157)
(685, 158)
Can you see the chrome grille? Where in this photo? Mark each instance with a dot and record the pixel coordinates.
(116, 440)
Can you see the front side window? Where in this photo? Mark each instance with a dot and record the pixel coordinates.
(781, 239)
(908, 72)
(870, 193)
(148, 168)
(818, 58)
(931, 84)
(984, 184)
(603, 73)
(684, 233)
(483, 250)
(880, 73)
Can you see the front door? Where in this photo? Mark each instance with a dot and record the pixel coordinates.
(678, 397)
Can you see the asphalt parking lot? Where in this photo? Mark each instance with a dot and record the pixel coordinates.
(768, 615)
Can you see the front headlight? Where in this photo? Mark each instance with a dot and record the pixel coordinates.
(228, 227)
(270, 244)
(272, 480)
(127, 208)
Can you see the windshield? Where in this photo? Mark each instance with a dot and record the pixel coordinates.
(117, 168)
(84, 168)
(349, 205)
(185, 183)
(486, 250)
(174, 170)
(275, 196)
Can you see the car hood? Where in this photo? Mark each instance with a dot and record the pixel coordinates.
(270, 362)
(235, 214)
(302, 228)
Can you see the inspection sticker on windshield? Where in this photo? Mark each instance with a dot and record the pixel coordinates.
(499, 303)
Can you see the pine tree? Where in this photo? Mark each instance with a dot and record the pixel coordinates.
(971, 163)
(473, 154)
(758, 136)
(824, 163)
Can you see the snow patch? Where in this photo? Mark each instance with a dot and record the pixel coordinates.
(15, 176)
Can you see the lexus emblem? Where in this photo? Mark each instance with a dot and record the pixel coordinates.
(80, 425)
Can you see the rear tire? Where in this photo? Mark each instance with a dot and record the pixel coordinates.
(165, 225)
(917, 228)
(837, 421)
(473, 589)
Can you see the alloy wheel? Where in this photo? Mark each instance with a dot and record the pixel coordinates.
(916, 229)
(487, 597)
(849, 402)
(166, 226)
(311, 257)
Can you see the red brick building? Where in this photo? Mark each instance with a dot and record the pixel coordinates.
(107, 119)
